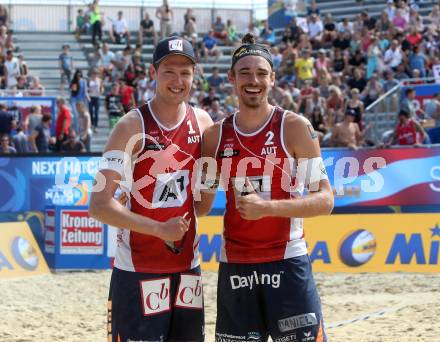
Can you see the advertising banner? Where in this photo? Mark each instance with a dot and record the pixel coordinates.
(20, 255)
(354, 243)
(74, 240)
(385, 177)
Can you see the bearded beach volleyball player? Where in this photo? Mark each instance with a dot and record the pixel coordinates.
(266, 157)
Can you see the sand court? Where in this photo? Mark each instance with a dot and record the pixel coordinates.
(71, 306)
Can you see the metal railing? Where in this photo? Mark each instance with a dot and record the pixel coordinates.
(60, 16)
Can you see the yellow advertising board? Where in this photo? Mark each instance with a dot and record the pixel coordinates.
(354, 243)
(20, 255)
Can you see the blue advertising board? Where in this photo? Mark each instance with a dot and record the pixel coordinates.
(365, 178)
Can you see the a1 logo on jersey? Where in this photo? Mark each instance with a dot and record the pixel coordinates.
(260, 184)
(170, 190)
(155, 296)
(190, 293)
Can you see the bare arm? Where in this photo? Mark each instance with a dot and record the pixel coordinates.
(105, 208)
(319, 200)
(32, 141)
(203, 204)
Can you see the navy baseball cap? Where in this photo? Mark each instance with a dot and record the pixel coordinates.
(173, 45)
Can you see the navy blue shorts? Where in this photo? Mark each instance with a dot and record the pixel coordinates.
(156, 307)
(276, 298)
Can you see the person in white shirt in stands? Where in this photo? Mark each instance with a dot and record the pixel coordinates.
(106, 60)
(393, 56)
(315, 30)
(119, 32)
(13, 69)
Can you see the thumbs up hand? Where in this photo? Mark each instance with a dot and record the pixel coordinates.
(251, 206)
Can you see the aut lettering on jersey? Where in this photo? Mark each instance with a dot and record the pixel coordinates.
(255, 279)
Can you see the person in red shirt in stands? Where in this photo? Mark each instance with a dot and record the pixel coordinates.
(408, 131)
(63, 123)
(414, 37)
(127, 96)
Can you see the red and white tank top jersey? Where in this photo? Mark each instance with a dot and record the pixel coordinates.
(160, 190)
(407, 134)
(262, 158)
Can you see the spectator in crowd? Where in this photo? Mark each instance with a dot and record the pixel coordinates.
(407, 104)
(432, 109)
(304, 66)
(267, 34)
(215, 111)
(78, 93)
(393, 56)
(357, 81)
(315, 101)
(165, 15)
(72, 144)
(13, 69)
(355, 104)
(190, 25)
(146, 29)
(4, 17)
(63, 123)
(106, 60)
(231, 99)
(210, 47)
(316, 30)
(33, 119)
(127, 96)
(418, 60)
(232, 35)
(113, 105)
(216, 81)
(219, 28)
(372, 91)
(313, 9)
(21, 86)
(119, 32)
(36, 88)
(96, 89)
(5, 144)
(3, 73)
(21, 141)
(85, 125)
(389, 81)
(96, 22)
(209, 99)
(408, 131)
(80, 23)
(40, 138)
(7, 121)
(66, 66)
(22, 65)
(347, 133)
(335, 106)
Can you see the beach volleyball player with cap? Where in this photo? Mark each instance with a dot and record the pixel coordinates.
(265, 156)
(156, 288)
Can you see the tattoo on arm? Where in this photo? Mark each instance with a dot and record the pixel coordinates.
(312, 132)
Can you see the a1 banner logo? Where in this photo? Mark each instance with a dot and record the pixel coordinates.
(155, 296)
(190, 293)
